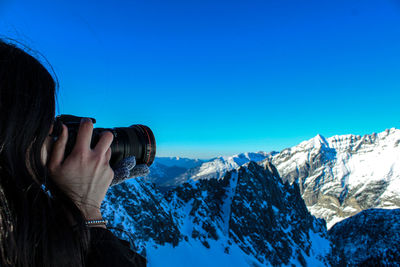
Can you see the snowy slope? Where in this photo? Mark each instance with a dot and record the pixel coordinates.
(248, 217)
(217, 167)
(165, 169)
(343, 175)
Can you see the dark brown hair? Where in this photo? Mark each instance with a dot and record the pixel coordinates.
(35, 226)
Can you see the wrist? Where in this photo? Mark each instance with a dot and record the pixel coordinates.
(98, 226)
(99, 222)
(91, 213)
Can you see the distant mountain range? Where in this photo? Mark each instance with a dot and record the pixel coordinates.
(338, 176)
(255, 209)
(170, 172)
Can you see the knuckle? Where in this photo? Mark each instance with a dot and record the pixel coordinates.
(110, 172)
(53, 168)
(99, 158)
(61, 141)
(108, 135)
(106, 158)
(50, 167)
(79, 153)
(86, 125)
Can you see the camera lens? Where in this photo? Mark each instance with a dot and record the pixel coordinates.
(137, 140)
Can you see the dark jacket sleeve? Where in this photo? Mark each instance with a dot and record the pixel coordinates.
(108, 250)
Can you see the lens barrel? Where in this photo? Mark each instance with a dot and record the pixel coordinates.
(137, 140)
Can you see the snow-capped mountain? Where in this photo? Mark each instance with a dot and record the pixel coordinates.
(343, 175)
(247, 217)
(174, 173)
(185, 163)
(164, 169)
(217, 167)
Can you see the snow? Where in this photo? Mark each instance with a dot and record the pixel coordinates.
(349, 163)
(186, 222)
(193, 253)
(322, 212)
(349, 209)
(217, 167)
(275, 209)
(226, 207)
(319, 246)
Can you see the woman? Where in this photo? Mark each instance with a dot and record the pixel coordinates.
(46, 200)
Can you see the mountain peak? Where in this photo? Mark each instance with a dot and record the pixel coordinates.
(316, 142)
(319, 139)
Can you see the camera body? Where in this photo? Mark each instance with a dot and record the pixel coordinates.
(136, 140)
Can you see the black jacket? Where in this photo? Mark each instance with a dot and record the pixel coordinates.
(108, 250)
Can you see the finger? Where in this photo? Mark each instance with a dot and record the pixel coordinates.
(104, 142)
(108, 154)
(84, 136)
(57, 154)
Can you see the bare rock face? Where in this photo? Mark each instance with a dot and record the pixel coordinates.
(249, 211)
(141, 214)
(268, 217)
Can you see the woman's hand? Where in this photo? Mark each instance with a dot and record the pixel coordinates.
(85, 174)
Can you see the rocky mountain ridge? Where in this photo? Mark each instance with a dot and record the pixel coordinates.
(248, 217)
(343, 175)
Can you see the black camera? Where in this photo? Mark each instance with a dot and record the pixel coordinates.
(137, 140)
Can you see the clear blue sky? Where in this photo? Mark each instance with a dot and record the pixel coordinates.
(220, 77)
